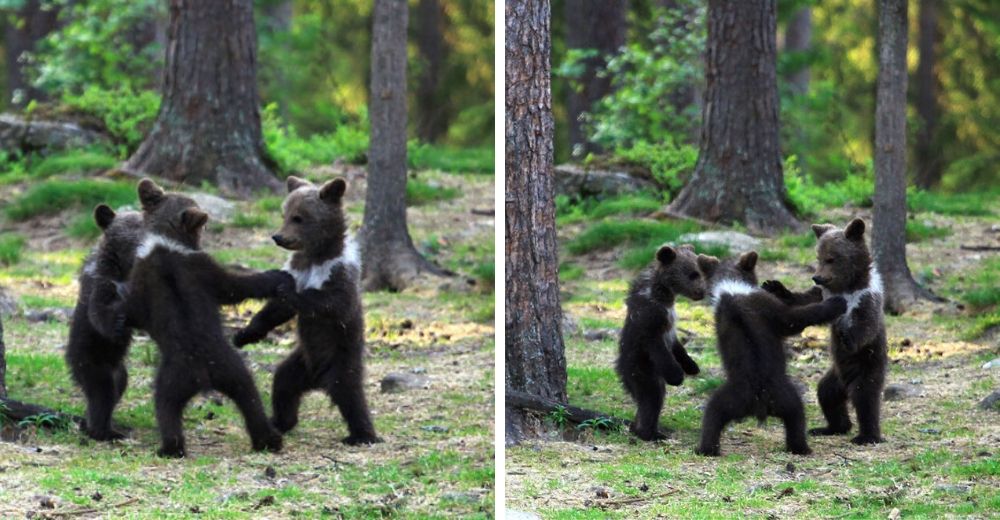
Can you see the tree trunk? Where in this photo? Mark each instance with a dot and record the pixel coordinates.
(599, 26)
(798, 34)
(3, 363)
(929, 166)
(390, 261)
(31, 23)
(889, 220)
(208, 128)
(536, 362)
(738, 176)
(432, 109)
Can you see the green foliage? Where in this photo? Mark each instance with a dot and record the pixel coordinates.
(72, 161)
(450, 159)
(125, 114)
(918, 231)
(45, 420)
(559, 416)
(52, 196)
(670, 163)
(981, 288)
(972, 204)
(11, 247)
(569, 211)
(83, 227)
(292, 153)
(569, 271)
(419, 192)
(608, 234)
(809, 198)
(251, 220)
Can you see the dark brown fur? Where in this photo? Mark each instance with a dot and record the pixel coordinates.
(97, 346)
(330, 352)
(750, 326)
(175, 291)
(857, 341)
(649, 352)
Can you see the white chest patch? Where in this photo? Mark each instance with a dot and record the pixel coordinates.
(314, 276)
(734, 287)
(670, 336)
(152, 242)
(854, 299)
(90, 268)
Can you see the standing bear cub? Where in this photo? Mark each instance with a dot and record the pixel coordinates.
(327, 271)
(857, 340)
(750, 326)
(98, 345)
(649, 350)
(175, 291)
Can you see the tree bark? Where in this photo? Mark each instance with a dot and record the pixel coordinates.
(31, 23)
(390, 261)
(738, 176)
(600, 26)
(929, 166)
(432, 110)
(3, 363)
(889, 219)
(208, 128)
(798, 36)
(534, 353)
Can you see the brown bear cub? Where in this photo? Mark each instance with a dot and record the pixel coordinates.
(649, 352)
(857, 340)
(750, 326)
(327, 270)
(175, 291)
(98, 345)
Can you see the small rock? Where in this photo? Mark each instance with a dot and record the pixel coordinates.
(401, 382)
(930, 431)
(434, 428)
(513, 514)
(270, 472)
(958, 489)
(899, 391)
(895, 514)
(788, 491)
(418, 370)
(736, 242)
(8, 303)
(599, 334)
(600, 492)
(790, 467)
(461, 498)
(218, 208)
(576, 181)
(993, 363)
(46, 502)
(50, 314)
(991, 402)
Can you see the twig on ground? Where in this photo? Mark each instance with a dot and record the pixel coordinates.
(979, 248)
(89, 510)
(484, 212)
(633, 500)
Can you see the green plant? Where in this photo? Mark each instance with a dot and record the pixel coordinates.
(72, 161)
(917, 231)
(125, 114)
(809, 198)
(448, 159)
(419, 192)
(560, 416)
(251, 220)
(52, 196)
(83, 227)
(600, 423)
(670, 162)
(608, 234)
(45, 420)
(293, 153)
(11, 246)
(973, 204)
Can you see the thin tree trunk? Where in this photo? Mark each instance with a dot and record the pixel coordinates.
(389, 258)
(798, 36)
(929, 166)
(534, 353)
(432, 110)
(32, 22)
(599, 26)
(3, 363)
(889, 220)
(738, 177)
(208, 128)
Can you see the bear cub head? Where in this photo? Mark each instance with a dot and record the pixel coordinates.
(121, 234)
(843, 260)
(171, 215)
(314, 221)
(681, 271)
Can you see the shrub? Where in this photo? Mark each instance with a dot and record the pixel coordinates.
(809, 198)
(11, 246)
(462, 160)
(917, 231)
(53, 196)
(72, 161)
(419, 192)
(125, 114)
(607, 234)
(671, 164)
(973, 204)
(293, 153)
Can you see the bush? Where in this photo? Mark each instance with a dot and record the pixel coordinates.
(809, 198)
(608, 234)
(53, 196)
(125, 114)
(671, 164)
(917, 231)
(73, 161)
(293, 153)
(11, 246)
(569, 211)
(419, 192)
(462, 160)
(974, 204)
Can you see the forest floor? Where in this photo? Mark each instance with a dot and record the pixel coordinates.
(437, 459)
(941, 455)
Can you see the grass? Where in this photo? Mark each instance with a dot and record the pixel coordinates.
(918, 231)
(571, 212)
(969, 204)
(457, 160)
(419, 192)
(609, 234)
(11, 247)
(52, 196)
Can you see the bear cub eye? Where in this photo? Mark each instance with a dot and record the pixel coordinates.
(830, 260)
(297, 219)
(693, 275)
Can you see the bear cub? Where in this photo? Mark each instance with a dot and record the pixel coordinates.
(750, 326)
(857, 340)
(327, 300)
(97, 346)
(175, 291)
(649, 352)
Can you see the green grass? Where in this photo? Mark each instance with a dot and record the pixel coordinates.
(609, 234)
(917, 231)
(419, 192)
(456, 160)
(570, 212)
(248, 220)
(969, 204)
(11, 247)
(75, 161)
(981, 288)
(52, 196)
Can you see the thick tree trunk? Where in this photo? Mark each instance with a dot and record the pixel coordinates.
(432, 110)
(798, 34)
(889, 220)
(31, 23)
(536, 362)
(738, 176)
(3, 363)
(600, 26)
(389, 258)
(929, 166)
(208, 128)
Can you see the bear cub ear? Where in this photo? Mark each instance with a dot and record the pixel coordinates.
(333, 191)
(747, 261)
(855, 230)
(293, 183)
(666, 254)
(103, 215)
(150, 195)
(193, 218)
(822, 229)
(708, 265)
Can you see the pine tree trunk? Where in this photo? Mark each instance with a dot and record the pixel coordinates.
(432, 110)
(390, 261)
(29, 24)
(208, 128)
(929, 166)
(3, 363)
(536, 362)
(889, 220)
(738, 176)
(798, 34)
(599, 26)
